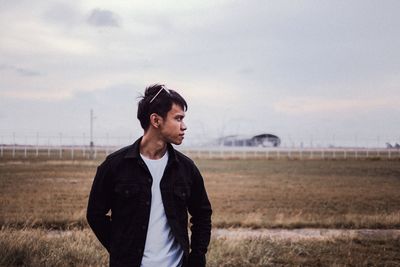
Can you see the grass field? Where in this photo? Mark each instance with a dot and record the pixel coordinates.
(251, 193)
(36, 247)
(37, 195)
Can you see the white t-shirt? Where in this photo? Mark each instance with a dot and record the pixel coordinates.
(161, 248)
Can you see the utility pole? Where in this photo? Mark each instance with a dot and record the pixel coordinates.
(91, 135)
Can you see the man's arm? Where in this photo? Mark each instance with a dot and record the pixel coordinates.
(99, 205)
(200, 210)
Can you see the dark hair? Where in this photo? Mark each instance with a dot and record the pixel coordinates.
(160, 104)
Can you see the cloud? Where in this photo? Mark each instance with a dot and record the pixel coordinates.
(26, 72)
(269, 60)
(20, 71)
(103, 18)
(302, 105)
(42, 95)
(67, 14)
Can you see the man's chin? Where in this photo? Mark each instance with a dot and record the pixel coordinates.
(177, 142)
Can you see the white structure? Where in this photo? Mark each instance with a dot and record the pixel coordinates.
(261, 140)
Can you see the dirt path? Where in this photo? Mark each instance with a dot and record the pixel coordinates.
(304, 234)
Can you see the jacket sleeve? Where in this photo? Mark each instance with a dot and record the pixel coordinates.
(200, 211)
(99, 205)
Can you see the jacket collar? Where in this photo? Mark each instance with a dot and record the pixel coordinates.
(134, 151)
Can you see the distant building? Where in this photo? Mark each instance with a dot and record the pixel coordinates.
(261, 140)
(395, 146)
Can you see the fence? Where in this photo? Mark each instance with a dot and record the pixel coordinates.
(100, 152)
(292, 153)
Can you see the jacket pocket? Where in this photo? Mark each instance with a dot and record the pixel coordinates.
(182, 193)
(126, 190)
(125, 204)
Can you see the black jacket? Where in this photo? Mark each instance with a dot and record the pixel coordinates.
(123, 185)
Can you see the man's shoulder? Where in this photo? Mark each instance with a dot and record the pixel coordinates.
(182, 158)
(120, 153)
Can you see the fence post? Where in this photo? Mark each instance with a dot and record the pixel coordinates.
(60, 145)
(1, 146)
(37, 144)
(13, 153)
(48, 148)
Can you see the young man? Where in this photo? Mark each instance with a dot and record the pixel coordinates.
(141, 194)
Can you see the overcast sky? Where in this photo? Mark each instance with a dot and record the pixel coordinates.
(304, 70)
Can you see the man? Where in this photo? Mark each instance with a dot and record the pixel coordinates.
(141, 194)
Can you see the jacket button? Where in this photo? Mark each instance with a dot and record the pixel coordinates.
(147, 203)
(144, 227)
(149, 181)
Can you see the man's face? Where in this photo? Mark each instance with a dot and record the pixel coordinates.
(172, 128)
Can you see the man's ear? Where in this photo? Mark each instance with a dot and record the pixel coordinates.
(155, 120)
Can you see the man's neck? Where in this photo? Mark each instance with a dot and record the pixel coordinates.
(152, 147)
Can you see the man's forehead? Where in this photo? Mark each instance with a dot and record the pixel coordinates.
(176, 110)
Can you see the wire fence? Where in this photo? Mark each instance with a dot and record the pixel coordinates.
(100, 152)
(75, 147)
(192, 139)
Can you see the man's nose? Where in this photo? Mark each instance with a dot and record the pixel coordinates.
(183, 126)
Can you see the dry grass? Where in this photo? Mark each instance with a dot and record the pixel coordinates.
(50, 194)
(27, 247)
(341, 252)
(247, 193)
(291, 194)
(79, 248)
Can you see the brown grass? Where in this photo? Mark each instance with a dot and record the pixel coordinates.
(341, 252)
(50, 194)
(317, 193)
(27, 247)
(38, 247)
(246, 193)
